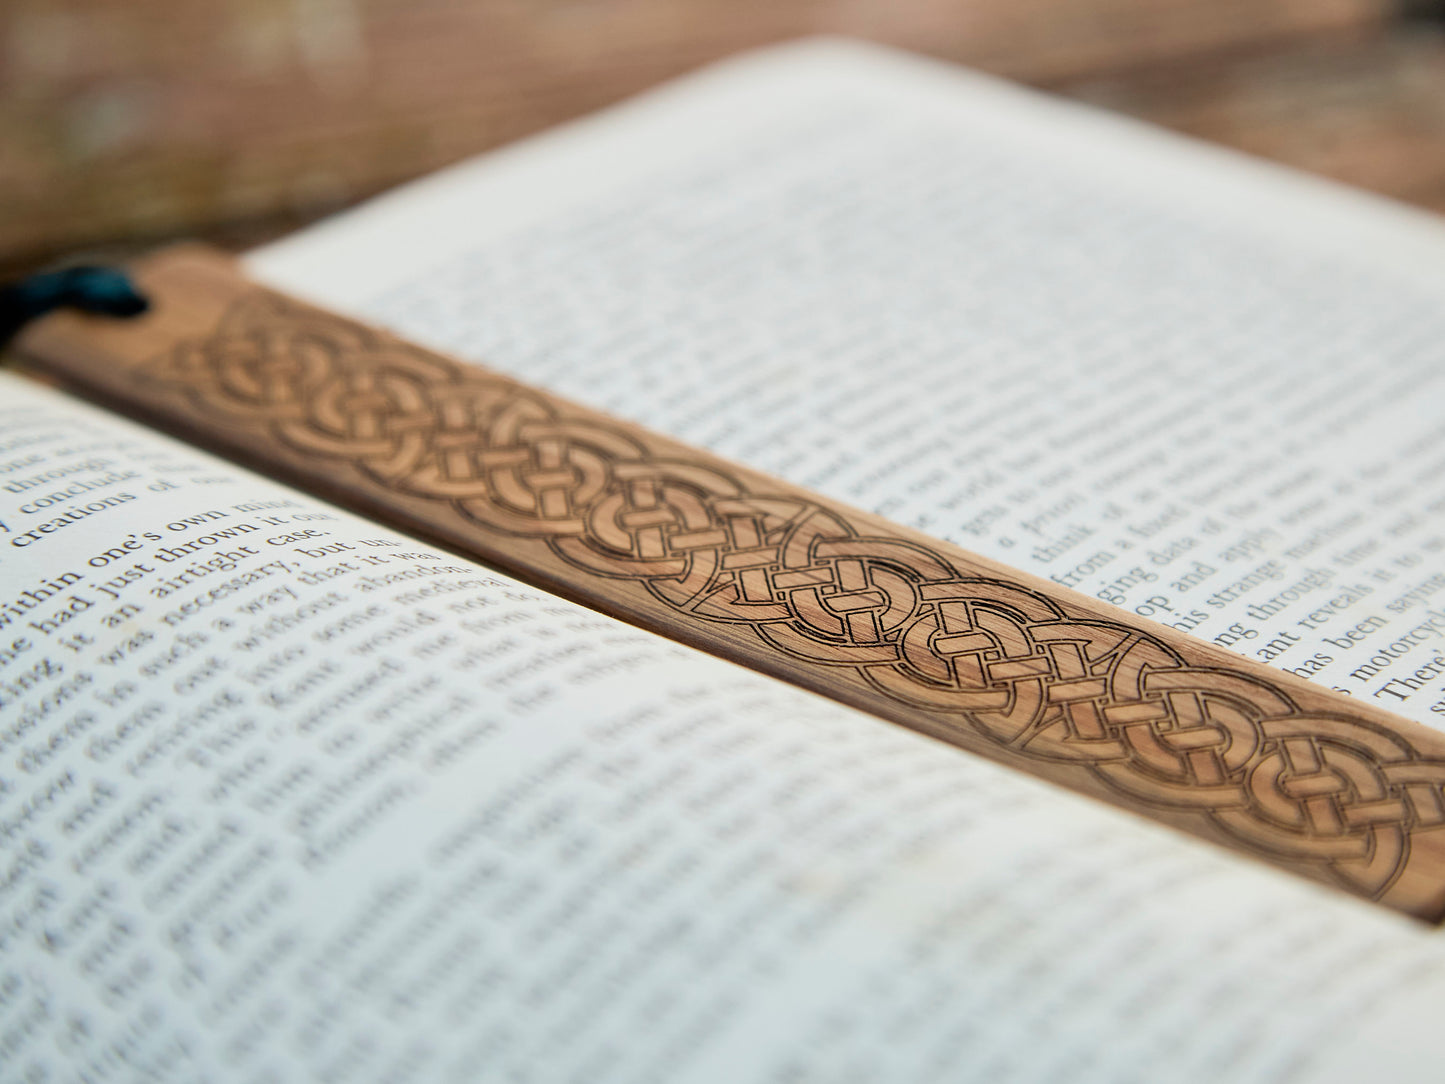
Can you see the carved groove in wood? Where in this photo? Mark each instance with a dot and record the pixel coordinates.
(1006, 663)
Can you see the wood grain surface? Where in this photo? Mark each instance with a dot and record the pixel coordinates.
(242, 119)
(753, 569)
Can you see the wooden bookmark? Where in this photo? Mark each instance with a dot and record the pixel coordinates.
(753, 569)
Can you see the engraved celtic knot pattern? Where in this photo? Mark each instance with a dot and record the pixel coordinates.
(983, 657)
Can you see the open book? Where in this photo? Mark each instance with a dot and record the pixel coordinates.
(288, 794)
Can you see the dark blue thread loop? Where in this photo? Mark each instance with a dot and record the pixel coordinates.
(101, 290)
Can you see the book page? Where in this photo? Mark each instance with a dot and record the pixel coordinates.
(287, 795)
(1198, 387)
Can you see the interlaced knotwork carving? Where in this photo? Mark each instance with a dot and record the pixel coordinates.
(990, 657)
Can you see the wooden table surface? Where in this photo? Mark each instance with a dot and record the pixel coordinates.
(124, 124)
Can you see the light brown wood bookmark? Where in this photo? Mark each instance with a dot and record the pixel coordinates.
(745, 566)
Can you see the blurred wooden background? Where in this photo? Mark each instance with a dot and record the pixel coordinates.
(124, 122)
